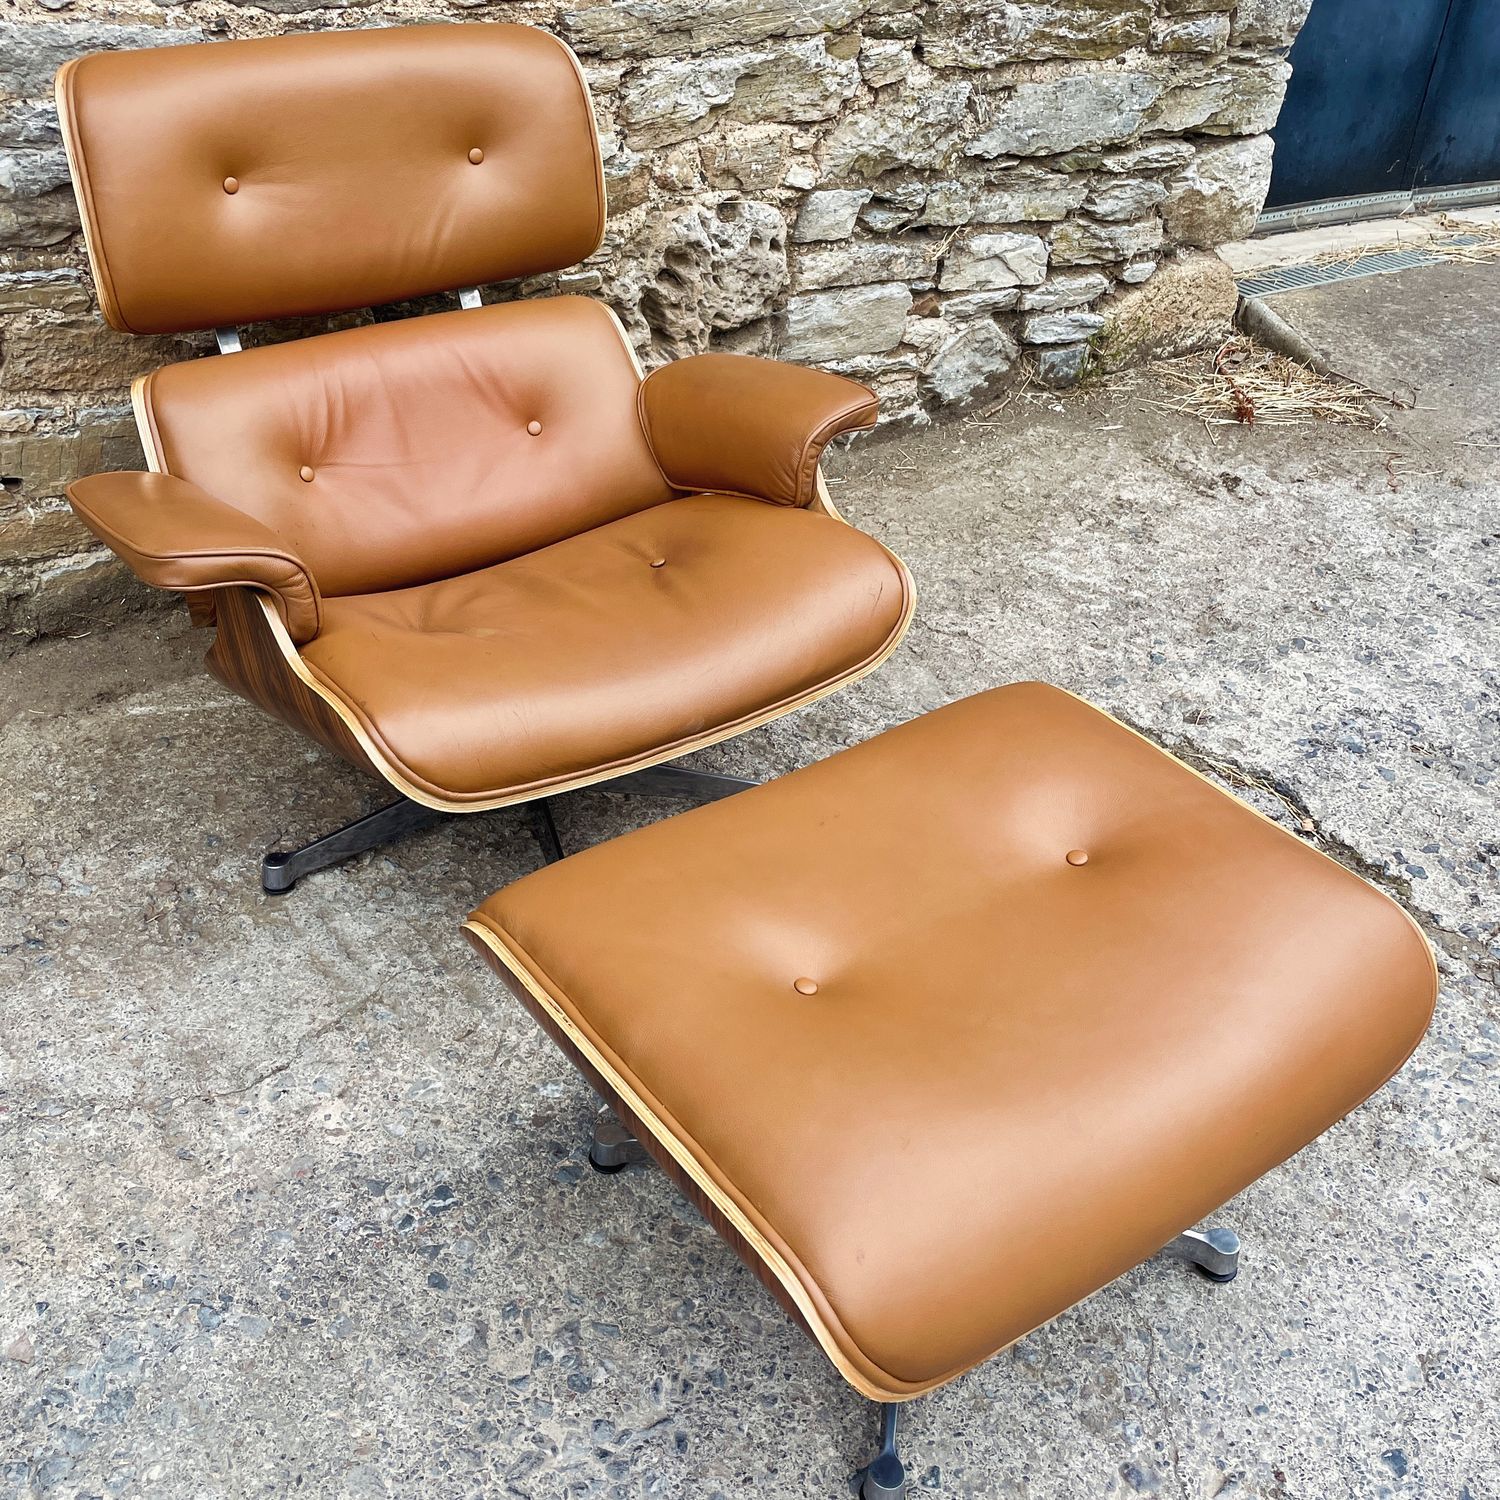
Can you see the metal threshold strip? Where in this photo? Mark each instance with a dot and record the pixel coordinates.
(1276, 279)
(1375, 206)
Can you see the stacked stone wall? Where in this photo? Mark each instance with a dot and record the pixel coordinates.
(930, 195)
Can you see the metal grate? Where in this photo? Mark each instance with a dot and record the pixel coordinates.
(1276, 279)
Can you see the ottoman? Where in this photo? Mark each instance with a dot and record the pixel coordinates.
(946, 1032)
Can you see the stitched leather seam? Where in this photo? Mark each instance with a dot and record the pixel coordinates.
(592, 126)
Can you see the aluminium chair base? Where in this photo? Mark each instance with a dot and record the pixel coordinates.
(1214, 1252)
(280, 870)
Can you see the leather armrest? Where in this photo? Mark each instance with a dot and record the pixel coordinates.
(744, 426)
(175, 536)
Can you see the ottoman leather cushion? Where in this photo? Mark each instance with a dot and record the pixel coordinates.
(1018, 1076)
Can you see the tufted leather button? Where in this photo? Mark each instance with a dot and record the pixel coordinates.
(231, 185)
(1077, 857)
(805, 986)
(534, 427)
(658, 562)
(476, 155)
(305, 474)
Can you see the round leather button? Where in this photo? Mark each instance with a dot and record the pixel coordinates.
(305, 474)
(476, 155)
(658, 562)
(1077, 857)
(805, 986)
(534, 427)
(231, 185)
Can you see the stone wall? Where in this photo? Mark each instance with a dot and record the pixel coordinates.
(931, 195)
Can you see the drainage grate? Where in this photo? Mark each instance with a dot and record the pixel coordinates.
(1276, 279)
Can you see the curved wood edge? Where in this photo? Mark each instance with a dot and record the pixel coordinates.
(247, 659)
(600, 187)
(822, 501)
(643, 1133)
(202, 607)
(724, 1216)
(104, 287)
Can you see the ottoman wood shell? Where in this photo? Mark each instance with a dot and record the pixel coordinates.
(948, 1031)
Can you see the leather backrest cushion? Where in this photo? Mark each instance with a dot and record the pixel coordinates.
(401, 452)
(229, 182)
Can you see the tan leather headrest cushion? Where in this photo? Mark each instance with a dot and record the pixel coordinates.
(229, 182)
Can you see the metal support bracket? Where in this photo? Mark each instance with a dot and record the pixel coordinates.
(228, 340)
(468, 296)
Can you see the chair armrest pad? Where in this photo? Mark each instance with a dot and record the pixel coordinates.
(175, 536)
(744, 426)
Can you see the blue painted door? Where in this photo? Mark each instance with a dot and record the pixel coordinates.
(1458, 139)
(1387, 95)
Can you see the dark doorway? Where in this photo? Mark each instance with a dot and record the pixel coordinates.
(1388, 96)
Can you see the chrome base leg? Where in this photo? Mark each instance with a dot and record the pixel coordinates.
(612, 1148)
(281, 870)
(885, 1479)
(1215, 1252)
(679, 781)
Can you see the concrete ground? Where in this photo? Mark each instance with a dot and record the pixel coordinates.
(295, 1202)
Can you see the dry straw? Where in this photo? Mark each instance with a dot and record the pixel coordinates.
(1244, 384)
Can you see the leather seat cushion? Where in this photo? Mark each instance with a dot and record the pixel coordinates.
(584, 656)
(1018, 1076)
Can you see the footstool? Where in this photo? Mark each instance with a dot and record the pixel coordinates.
(946, 1032)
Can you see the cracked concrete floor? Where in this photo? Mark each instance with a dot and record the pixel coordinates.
(294, 1202)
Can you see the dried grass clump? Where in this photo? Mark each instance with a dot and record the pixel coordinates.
(1247, 385)
(1461, 240)
(1473, 244)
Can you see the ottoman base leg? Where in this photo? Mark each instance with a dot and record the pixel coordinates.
(613, 1148)
(885, 1479)
(1215, 1252)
